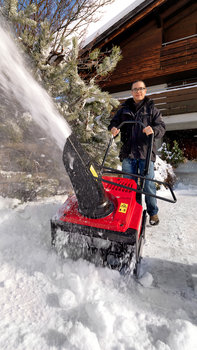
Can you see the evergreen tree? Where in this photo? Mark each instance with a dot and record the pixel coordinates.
(78, 98)
(172, 154)
(177, 155)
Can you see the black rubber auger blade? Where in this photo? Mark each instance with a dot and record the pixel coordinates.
(101, 252)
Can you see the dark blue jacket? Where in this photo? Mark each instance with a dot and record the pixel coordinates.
(134, 141)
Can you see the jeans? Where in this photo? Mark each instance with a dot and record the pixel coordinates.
(135, 166)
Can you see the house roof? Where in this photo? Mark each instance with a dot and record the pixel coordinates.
(124, 20)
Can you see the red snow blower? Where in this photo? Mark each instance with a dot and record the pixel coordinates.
(104, 221)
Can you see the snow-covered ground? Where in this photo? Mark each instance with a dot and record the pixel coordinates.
(47, 303)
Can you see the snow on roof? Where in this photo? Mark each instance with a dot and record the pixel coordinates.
(113, 20)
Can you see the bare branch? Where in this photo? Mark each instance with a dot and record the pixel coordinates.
(64, 14)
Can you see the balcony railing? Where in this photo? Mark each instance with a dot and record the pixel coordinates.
(179, 52)
(176, 100)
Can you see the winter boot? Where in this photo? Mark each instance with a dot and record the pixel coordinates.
(154, 220)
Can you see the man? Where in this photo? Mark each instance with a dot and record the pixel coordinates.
(135, 141)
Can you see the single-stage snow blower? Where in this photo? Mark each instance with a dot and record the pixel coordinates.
(104, 221)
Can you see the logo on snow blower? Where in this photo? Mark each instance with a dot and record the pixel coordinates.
(123, 208)
(93, 171)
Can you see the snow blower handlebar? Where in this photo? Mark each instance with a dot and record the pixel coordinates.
(149, 151)
(87, 180)
(146, 168)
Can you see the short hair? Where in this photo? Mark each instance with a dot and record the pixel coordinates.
(137, 81)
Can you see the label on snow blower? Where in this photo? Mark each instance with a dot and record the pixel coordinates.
(123, 208)
(93, 171)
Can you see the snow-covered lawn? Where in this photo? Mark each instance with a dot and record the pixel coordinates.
(47, 303)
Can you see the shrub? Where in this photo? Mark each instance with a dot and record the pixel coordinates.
(172, 155)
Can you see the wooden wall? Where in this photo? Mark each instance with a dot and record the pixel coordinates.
(181, 25)
(148, 55)
(141, 56)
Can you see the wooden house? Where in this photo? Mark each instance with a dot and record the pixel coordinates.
(158, 40)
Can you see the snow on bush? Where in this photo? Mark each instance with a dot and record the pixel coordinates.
(172, 154)
(164, 171)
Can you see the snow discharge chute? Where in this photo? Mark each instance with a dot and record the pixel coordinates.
(91, 197)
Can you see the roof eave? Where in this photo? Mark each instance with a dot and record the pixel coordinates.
(114, 30)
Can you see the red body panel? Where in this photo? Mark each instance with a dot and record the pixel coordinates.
(127, 212)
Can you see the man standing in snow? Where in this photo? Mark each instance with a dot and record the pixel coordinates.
(135, 141)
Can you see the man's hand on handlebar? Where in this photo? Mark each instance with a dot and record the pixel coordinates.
(115, 131)
(148, 130)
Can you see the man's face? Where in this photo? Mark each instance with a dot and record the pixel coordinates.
(138, 91)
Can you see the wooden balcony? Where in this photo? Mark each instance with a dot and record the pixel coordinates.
(176, 101)
(179, 53)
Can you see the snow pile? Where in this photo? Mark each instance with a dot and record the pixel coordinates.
(163, 170)
(49, 303)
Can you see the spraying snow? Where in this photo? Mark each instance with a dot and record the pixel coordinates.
(17, 82)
